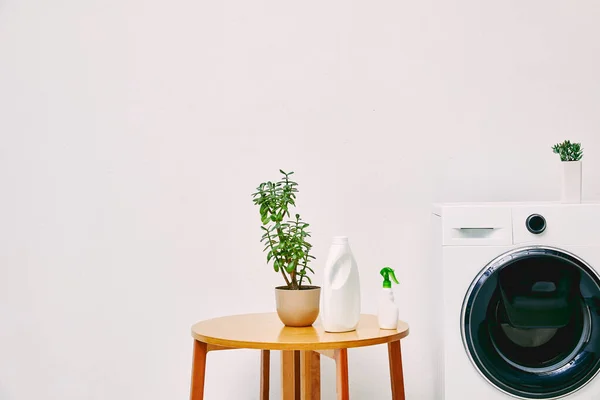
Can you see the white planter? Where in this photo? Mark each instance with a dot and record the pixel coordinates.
(571, 181)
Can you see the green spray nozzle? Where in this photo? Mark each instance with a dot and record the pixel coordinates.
(386, 272)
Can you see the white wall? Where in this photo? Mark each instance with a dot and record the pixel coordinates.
(133, 133)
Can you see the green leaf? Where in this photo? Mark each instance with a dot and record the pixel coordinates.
(291, 267)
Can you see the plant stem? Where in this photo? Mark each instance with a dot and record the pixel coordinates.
(280, 262)
(287, 281)
(283, 264)
(294, 279)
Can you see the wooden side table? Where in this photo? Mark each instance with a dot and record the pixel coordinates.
(300, 348)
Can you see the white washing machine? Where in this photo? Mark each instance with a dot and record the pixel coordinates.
(519, 302)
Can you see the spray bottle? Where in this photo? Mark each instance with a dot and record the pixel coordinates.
(388, 311)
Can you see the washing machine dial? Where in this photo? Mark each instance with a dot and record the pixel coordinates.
(536, 224)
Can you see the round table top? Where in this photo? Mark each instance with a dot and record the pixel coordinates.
(265, 331)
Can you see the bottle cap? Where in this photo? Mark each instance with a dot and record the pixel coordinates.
(340, 239)
(386, 272)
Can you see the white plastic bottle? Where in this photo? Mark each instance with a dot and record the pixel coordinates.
(388, 310)
(340, 310)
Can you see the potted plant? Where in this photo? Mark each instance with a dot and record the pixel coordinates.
(570, 155)
(288, 250)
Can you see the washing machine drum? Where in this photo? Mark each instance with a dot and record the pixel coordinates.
(531, 323)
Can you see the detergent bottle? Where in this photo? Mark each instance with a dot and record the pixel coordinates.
(341, 289)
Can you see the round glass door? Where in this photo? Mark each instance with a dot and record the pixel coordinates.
(531, 323)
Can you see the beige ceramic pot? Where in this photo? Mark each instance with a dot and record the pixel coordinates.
(298, 307)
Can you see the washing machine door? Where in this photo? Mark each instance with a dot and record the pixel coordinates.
(531, 323)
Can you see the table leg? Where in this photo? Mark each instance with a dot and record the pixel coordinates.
(341, 376)
(297, 374)
(290, 375)
(198, 371)
(311, 375)
(265, 363)
(396, 374)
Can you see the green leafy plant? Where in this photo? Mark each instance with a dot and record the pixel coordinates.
(285, 238)
(568, 151)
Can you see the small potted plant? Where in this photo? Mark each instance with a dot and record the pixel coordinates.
(288, 250)
(570, 155)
